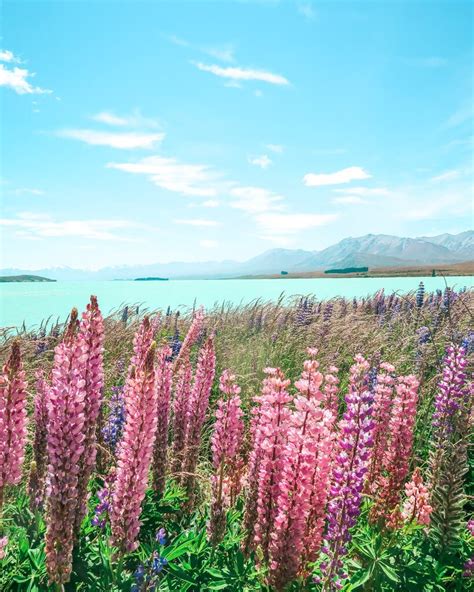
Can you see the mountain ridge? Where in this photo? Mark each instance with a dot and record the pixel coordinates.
(368, 250)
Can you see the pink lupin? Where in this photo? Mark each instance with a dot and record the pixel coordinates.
(36, 484)
(197, 409)
(182, 394)
(226, 442)
(135, 453)
(91, 342)
(65, 445)
(160, 452)
(12, 419)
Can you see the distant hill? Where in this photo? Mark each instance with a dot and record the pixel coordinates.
(370, 250)
(24, 278)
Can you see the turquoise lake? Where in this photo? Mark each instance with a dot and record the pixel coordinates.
(33, 302)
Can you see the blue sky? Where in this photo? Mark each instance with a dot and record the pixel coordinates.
(135, 132)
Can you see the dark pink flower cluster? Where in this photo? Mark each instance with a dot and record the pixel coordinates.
(226, 443)
(350, 468)
(396, 459)
(136, 450)
(36, 482)
(163, 384)
(12, 419)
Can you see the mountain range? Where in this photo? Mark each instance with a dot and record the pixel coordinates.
(372, 250)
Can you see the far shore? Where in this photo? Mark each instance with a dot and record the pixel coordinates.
(454, 269)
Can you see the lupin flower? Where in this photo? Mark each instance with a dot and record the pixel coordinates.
(416, 507)
(452, 392)
(304, 482)
(274, 423)
(383, 399)
(226, 443)
(91, 341)
(65, 447)
(160, 451)
(331, 390)
(182, 394)
(420, 295)
(147, 575)
(349, 472)
(3, 547)
(192, 336)
(36, 483)
(12, 419)
(113, 429)
(135, 453)
(396, 459)
(255, 459)
(197, 408)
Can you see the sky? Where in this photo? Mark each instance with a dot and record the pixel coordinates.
(139, 132)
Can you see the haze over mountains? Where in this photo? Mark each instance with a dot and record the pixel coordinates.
(372, 250)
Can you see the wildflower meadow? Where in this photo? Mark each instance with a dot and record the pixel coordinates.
(300, 445)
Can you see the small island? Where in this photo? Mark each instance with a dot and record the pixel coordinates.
(24, 278)
(151, 279)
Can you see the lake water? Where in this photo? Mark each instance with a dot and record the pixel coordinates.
(33, 302)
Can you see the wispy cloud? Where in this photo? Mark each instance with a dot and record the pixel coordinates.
(44, 226)
(255, 200)
(307, 10)
(17, 79)
(208, 243)
(238, 73)
(223, 52)
(120, 140)
(262, 161)
(210, 203)
(197, 222)
(287, 224)
(277, 148)
(8, 56)
(350, 200)
(347, 175)
(365, 191)
(170, 174)
(427, 62)
(464, 114)
(446, 176)
(27, 191)
(136, 120)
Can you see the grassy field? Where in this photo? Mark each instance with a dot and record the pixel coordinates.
(232, 508)
(465, 268)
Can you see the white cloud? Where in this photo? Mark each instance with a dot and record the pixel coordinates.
(347, 175)
(8, 56)
(262, 161)
(208, 243)
(306, 9)
(16, 79)
(447, 176)
(365, 191)
(136, 119)
(255, 200)
(210, 203)
(428, 62)
(278, 148)
(27, 190)
(109, 118)
(43, 226)
(237, 73)
(350, 199)
(197, 222)
(225, 53)
(121, 140)
(287, 224)
(168, 173)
